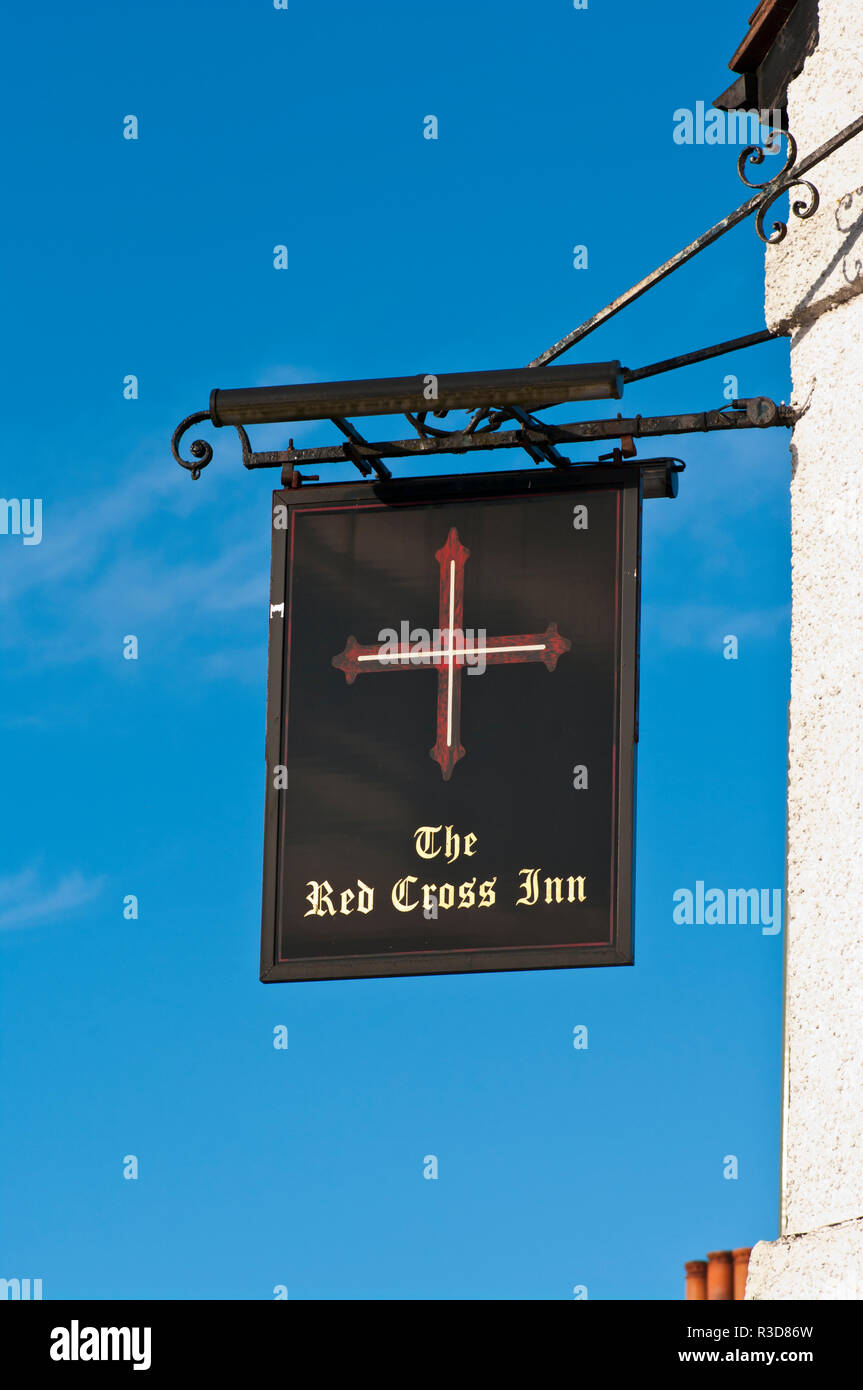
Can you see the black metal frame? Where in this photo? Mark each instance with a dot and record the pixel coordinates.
(464, 487)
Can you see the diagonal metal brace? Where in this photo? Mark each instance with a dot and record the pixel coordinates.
(364, 462)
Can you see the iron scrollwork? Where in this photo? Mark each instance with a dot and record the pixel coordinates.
(201, 451)
(783, 182)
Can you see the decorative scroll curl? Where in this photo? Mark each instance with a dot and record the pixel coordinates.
(200, 450)
(779, 184)
(801, 207)
(756, 154)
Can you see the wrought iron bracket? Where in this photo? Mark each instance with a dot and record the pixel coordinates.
(539, 438)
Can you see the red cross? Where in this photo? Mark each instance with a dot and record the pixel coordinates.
(449, 656)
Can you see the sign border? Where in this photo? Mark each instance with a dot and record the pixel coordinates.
(627, 481)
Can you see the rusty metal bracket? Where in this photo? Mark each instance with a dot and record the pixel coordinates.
(757, 412)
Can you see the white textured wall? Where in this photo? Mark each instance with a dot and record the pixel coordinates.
(825, 1264)
(814, 281)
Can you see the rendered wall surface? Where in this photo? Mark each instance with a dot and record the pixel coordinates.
(814, 282)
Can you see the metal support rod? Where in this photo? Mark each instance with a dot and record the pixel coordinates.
(766, 194)
(686, 359)
(758, 413)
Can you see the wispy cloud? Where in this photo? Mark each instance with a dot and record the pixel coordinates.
(703, 626)
(150, 554)
(25, 901)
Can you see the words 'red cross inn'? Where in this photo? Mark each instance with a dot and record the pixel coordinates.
(449, 657)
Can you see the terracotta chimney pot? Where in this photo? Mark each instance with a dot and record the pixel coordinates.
(696, 1280)
(720, 1275)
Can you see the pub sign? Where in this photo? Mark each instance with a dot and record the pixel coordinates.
(451, 725)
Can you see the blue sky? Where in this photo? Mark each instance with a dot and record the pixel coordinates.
(257, 1167)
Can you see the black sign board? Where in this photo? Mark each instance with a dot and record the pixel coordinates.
(451, 725)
